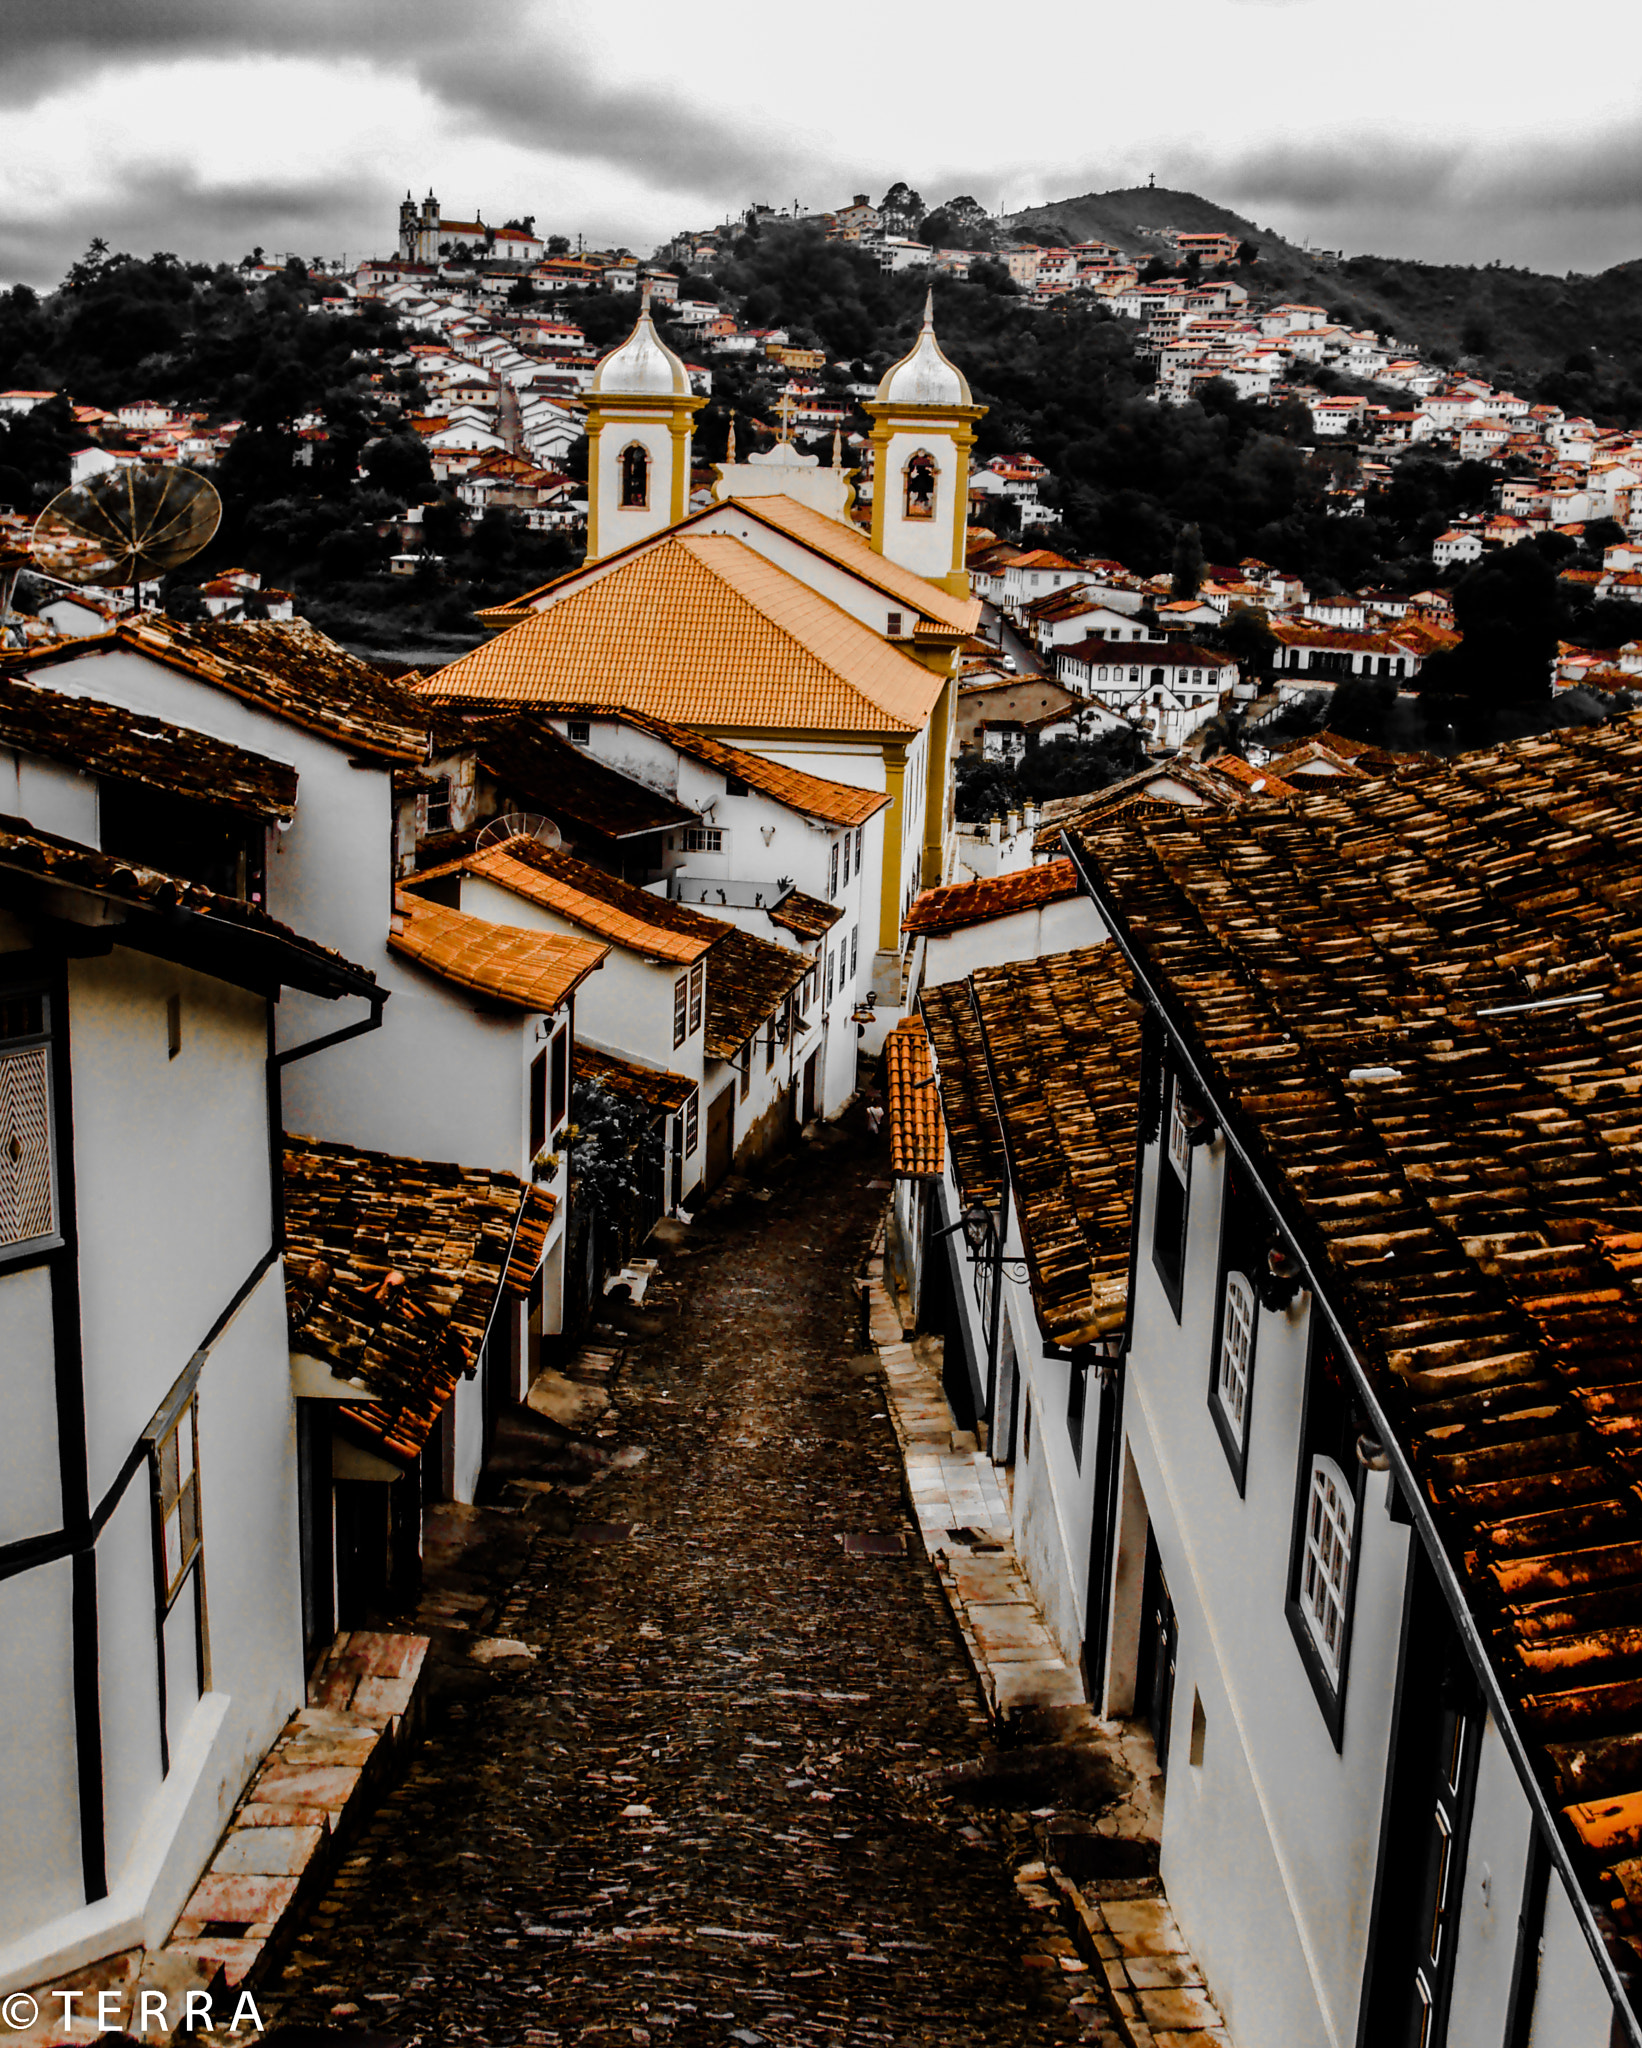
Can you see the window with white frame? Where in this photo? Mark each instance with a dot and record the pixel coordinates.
(28, 1190)
(831, 961)
(1236, 1361)
(698, 995)
(1325, 1575)
(581, 732)
(703, 839)
(858, 831)
(832, 877)
(692, 1122)
(681, 1010)
(855, 949)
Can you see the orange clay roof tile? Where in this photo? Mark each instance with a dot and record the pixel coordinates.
(532, 970)
(702, 629)
(957, 904)
(917, 1138)
(586, 896)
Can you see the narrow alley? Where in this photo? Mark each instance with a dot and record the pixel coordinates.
(713, 1802)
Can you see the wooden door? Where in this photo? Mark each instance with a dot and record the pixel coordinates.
(810, 1067)
(1159, 1646)
(720, 1136)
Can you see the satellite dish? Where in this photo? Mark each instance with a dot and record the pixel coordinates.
(519, 825)
(126, 524)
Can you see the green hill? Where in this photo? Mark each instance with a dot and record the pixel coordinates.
(1575, 340)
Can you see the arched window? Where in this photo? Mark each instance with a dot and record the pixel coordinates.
(1326, 1574)
(635, 477)
(921, 473)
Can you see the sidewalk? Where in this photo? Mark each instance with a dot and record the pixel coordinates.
(284, 1839)
(1103, 1868)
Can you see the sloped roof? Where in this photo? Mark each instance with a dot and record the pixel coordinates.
(654, 1087)
(531, 970)
(392, 1270)
(1417, 1001)
(701, 629)
(957, 904)
(587, 896)
(747, 978)
(851, 549)
(917, 1137)
(286, 668)
(177, 918)
(968, 1106)
(1062, 1037)
(133, 746)
(527, 758)
(806, 917)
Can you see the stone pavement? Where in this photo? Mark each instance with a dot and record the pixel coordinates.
(708, 1764)
(964, 1522)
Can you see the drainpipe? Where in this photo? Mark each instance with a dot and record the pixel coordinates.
(1413, 1496)
(277, 1063)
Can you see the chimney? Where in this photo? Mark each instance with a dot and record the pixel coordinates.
(994, 831)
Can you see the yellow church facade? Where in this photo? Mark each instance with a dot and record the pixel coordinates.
(762, 620)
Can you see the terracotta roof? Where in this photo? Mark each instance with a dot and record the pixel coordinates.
(133, 746)
(531, 970)
(586, 896)
(1062, 1037)
(807, 917)
(957, 904)
(1138, 792)
(815, 796)
(701, 629)
(968, 1106)
(1376, 980)
(285, 668)
(852, 550)
(655, 1088)
(221, 934)
(455, 1236)
(1261, 782)
(546, 772)
(917, 1139)
(747, 978)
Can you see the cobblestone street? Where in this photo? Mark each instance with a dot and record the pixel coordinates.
(710, 1806)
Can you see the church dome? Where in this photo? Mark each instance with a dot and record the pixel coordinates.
(923, 376)
(643, 367)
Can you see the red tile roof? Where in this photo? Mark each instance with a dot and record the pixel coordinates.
(917, 1142)
(950, 908)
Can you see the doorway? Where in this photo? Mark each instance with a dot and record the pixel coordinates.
(1159, 1649)
(720, 1136)
(1426, 1828)
(806, 1114)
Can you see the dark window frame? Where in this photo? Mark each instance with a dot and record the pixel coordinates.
(538, 1103)
(1172, 1202)
(1327, 1430)
(681, 1010)
(34, 1039)
(1241, 1243)
(558, 1078)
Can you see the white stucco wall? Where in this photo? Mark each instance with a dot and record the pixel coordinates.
(1025, 935)
(39, 1786)
(31, 1494)
(1288, 1844)
(1572, 2009)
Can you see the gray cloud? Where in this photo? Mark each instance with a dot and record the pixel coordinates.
(174, 209)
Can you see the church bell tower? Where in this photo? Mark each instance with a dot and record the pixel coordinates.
(640, 411)
(923, 427)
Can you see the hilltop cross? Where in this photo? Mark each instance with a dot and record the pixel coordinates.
(785, 409)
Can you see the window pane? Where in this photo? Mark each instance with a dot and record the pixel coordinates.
(173, 1546)
(168, 1469)
(185, 1443)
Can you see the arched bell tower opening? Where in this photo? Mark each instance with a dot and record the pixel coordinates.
(640, 410)
(920, 477)
(634, 469)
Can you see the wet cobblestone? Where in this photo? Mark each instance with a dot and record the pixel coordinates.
(702, 1812)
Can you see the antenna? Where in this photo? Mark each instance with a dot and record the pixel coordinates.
(519, 825)
(126, 524)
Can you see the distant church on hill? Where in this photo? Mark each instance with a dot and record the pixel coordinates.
(425, 235)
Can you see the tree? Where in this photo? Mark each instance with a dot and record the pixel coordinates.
(1507, 609)
(1248, 252)
(399, 464)
(558, 245)
(1186, 571)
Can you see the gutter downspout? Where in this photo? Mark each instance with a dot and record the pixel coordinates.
(277, 1063)
(1413, 1496)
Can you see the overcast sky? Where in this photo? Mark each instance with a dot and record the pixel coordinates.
(1428, 128)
